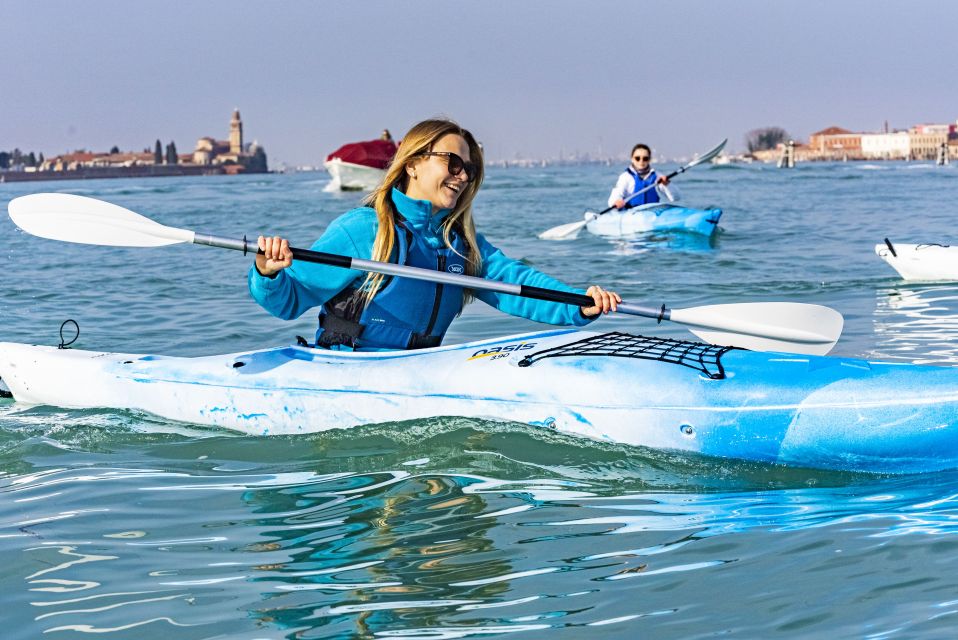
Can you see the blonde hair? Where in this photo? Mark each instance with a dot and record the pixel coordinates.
(420, 139)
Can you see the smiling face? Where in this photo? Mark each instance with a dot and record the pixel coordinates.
(429, 177)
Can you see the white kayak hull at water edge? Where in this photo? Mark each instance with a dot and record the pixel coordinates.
(928, 262)
(809, 411)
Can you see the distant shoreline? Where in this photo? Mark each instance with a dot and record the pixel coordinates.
(143, 171)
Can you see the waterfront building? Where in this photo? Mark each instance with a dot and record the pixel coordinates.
(836, 143)
(886, 146)
(210, 157)
(81, 159)
(230, 152)
(938, 142)
(926, 140)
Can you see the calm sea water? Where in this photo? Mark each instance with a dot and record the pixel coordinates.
(129, 526)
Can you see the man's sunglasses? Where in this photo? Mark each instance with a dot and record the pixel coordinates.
(456, 164)
(641, 158)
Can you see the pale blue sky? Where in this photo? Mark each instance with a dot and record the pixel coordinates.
(529, 78)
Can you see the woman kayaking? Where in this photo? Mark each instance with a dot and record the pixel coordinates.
(421, 216)
(637, 176)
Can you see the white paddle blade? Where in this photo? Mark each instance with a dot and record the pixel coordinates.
(754, 343)
(708, 155)
(790, 327)
(72, 218)
(569, 231)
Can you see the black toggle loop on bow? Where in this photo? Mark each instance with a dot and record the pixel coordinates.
(66, 345)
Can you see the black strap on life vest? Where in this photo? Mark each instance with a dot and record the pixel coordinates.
(341, 325)
(337, 331)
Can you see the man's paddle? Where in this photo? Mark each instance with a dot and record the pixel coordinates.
(571, 229)
(767, 326)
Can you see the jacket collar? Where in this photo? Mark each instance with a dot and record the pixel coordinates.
(418, 213)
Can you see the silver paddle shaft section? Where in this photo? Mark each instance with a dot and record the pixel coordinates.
(701, 317)
(469, 282)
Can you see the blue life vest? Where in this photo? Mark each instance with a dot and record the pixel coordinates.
(650, 196)
(405, 313)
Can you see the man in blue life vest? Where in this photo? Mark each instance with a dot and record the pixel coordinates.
(638, 176)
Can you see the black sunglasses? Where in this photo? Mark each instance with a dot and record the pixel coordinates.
(456, 164)
(638, 158)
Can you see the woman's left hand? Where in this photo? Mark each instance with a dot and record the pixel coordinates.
(605, 301)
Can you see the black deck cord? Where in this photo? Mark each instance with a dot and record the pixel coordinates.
(66, 345)
(891, 248)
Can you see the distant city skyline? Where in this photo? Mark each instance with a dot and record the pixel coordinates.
(532, 79)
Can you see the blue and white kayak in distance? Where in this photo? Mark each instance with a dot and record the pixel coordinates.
(657, 216)
(810, 411)
(920, 261)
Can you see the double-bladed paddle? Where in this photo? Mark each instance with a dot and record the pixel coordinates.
(765, 326)
(571, 229)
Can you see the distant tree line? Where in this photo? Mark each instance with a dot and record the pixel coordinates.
(18, 158)
(765, 138)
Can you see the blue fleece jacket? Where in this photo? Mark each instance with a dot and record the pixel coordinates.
(305, 285)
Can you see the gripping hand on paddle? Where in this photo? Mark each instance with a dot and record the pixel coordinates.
(605, 301)
(276, 255)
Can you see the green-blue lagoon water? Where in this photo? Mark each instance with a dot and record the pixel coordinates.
(125, 525)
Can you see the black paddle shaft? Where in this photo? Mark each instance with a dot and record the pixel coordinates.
(469, 282)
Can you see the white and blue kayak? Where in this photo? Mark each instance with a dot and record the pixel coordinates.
(804, 410)
(928, 262)
(657, 216)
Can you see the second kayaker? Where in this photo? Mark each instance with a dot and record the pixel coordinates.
(420, 216)
(636, 177)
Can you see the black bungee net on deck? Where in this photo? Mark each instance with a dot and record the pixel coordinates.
(704, 358)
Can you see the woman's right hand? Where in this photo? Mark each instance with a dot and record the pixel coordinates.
(605, 301)
(275, 255)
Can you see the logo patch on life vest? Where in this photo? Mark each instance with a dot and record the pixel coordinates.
(455, 268)
(502, 351)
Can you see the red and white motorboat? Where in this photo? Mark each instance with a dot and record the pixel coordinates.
(360, 166)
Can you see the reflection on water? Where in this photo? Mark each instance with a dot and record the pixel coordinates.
(368, 533)
(670, 242)
(917, 323)
(364, 555)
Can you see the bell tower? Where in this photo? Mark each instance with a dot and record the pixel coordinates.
(236, 133)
